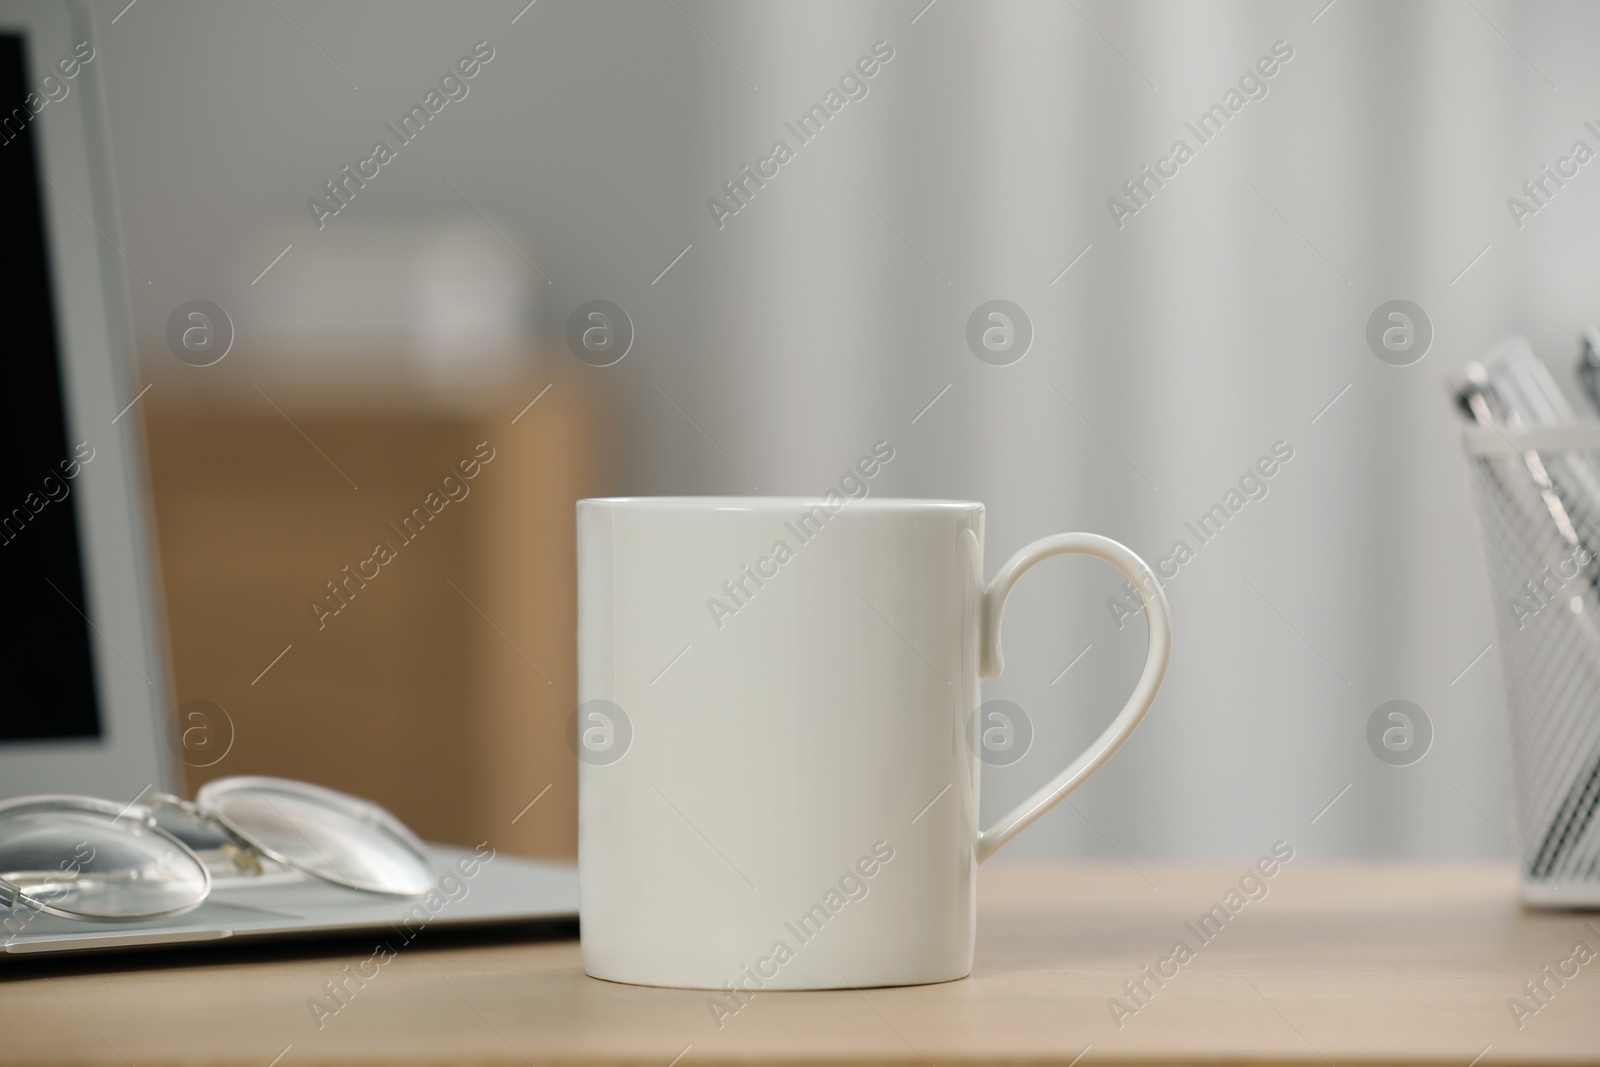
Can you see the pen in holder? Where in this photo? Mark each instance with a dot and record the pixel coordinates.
(1538, 499)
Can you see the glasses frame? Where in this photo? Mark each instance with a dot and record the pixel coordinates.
(363, 811)
(142, 813)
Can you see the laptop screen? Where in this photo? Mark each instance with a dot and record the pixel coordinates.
(44, 656)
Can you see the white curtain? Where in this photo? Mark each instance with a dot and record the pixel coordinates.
(1220, 320)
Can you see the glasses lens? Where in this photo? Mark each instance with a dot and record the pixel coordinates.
(331, 835)
(94, 865)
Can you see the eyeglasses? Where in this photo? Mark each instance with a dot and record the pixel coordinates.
(84, 858)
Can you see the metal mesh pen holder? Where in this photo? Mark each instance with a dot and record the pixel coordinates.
(1538, 497)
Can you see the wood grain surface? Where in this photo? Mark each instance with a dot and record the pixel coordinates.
(1335, 965)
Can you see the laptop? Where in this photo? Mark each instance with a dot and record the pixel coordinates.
(84, 651)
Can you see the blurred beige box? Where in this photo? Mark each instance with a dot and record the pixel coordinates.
(436, 682)
(366, 527)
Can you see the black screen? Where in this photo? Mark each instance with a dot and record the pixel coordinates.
(44, 649)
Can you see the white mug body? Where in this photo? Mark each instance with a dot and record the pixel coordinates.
(777, 789)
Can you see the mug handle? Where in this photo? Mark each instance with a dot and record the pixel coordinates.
(1144, 693)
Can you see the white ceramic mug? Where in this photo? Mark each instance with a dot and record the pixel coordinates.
(778, 780)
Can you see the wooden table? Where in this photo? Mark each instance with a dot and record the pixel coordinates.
(1336, 965)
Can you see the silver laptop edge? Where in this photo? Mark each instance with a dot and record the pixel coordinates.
(472, 888)
(93, 335)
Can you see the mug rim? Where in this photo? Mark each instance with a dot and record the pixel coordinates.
(776, 503)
